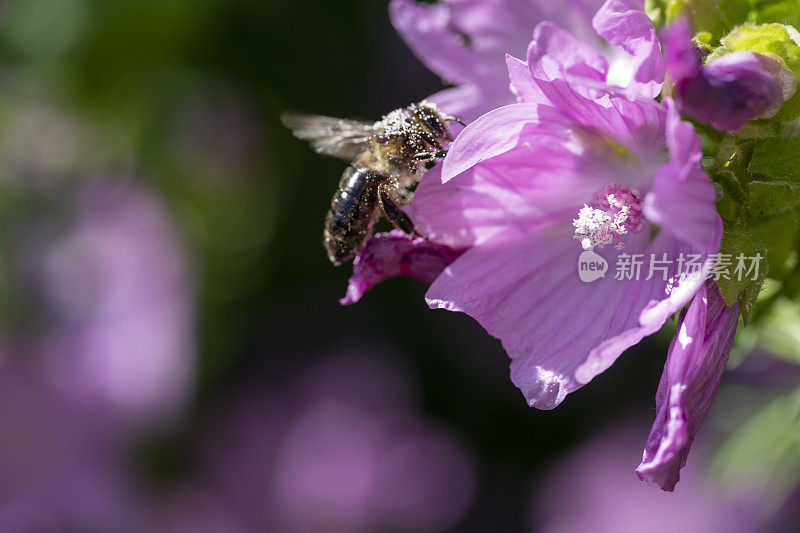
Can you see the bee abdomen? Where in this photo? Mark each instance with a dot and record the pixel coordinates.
(352, 214)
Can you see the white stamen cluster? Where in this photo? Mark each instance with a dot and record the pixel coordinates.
(596, 228)
(593, 228)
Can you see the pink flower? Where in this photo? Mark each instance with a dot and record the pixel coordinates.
(339, 446)
(118, 287)
(523, 181)
(585, 162)
(464, 41)
(389, 255)
(695, 363)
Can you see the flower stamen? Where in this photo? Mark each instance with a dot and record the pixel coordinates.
(616, 211)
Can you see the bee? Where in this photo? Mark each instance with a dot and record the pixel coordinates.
(386, 161)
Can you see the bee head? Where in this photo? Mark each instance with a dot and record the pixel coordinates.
(428, 116)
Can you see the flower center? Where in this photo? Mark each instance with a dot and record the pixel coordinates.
(616, 211)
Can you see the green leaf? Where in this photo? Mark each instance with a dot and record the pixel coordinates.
(731, 187)
(777, 158)
(773, 197)
(730, 194)
(738, 241)
(776, 40)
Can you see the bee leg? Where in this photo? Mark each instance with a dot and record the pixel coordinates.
(428, 138)
(426, 156)
(395, 214)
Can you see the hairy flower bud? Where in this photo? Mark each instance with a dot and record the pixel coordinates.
(728, 91)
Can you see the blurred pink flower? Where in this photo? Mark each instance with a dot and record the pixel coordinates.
(120, 297)
(343, 468)
(60, 469)
(593, 489)
(191, 510)
(350, 454)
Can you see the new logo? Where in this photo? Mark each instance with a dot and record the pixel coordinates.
(591, 266)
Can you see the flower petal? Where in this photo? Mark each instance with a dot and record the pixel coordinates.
(556, 53)
(522, 84)
(465, 41)
(494, 133)
(682, 198)
(544, 168)
(428, 30)
(624, 23)
(559, 331)
(667, 298)
(695, 364)
(682, 57)
(635, 123)
(521, 175)
(393, 254)
(553, 54)
(735, 89)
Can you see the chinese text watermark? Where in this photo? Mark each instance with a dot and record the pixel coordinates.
(635, 267)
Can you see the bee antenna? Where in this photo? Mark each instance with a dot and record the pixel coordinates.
(455, 119)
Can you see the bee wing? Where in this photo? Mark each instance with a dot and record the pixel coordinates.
(337, 137)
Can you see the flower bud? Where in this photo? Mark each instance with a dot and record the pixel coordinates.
(728, 91)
